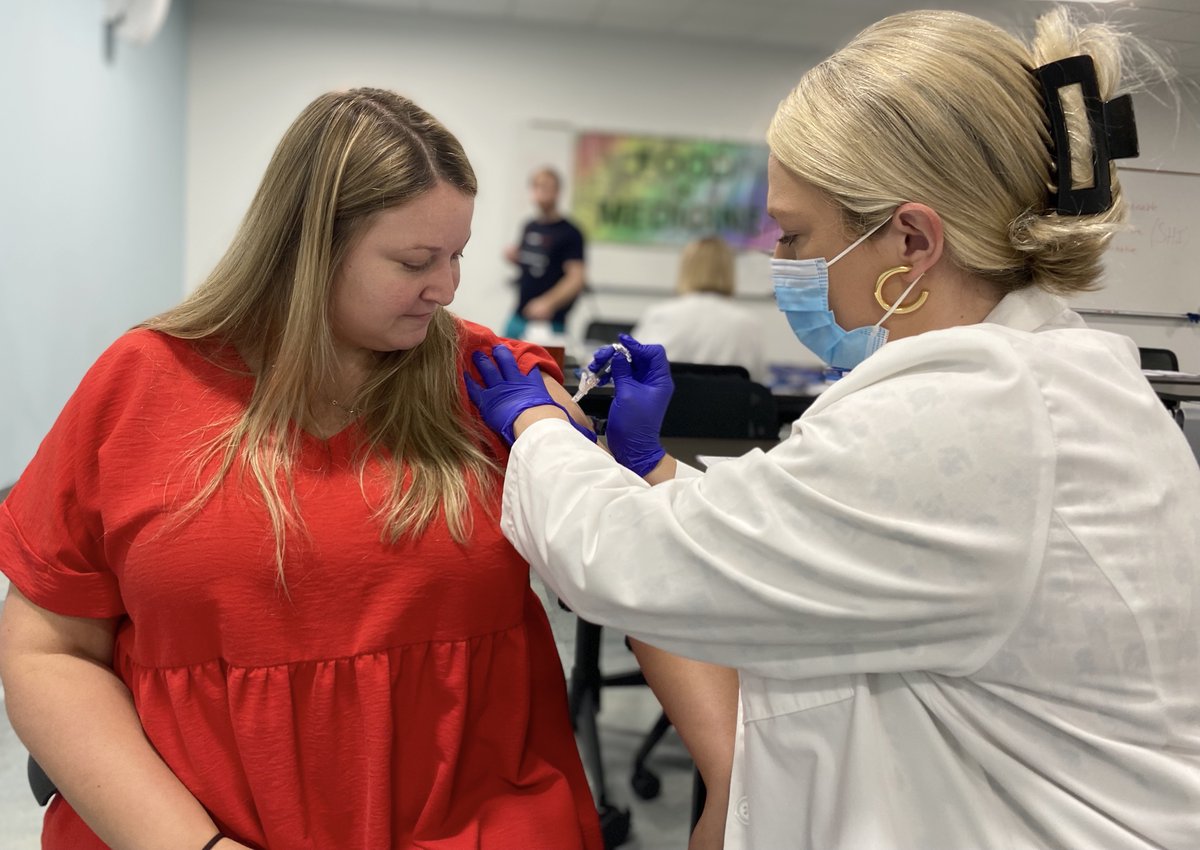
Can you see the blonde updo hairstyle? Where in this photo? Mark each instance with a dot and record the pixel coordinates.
(706, 266)
(943, 109)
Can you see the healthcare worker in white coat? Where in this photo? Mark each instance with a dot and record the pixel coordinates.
(702, 323)
(963, 597)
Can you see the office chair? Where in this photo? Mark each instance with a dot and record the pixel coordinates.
(709, 401)
(1163, 360)
(583, 699)
(720, 402)
(1160, 359)
(603, 331)
(42, 785)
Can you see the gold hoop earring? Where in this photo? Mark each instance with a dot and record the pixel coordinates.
(883, 278)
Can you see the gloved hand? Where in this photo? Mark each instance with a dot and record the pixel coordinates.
(642, 391)
(506, 393)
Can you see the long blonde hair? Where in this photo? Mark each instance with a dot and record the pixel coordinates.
(942, 108)
(346, 157)
(706, 265)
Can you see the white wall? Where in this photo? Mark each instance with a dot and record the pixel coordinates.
(91, 201)
(514, 96)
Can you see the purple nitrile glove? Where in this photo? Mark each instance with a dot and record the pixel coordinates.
(600, 358)
(506, 392)
(642, 391)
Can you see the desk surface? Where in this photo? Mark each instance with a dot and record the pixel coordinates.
(789, 405)
(1176, 387)
(686, 449)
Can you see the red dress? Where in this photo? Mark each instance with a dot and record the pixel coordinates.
(406, 696)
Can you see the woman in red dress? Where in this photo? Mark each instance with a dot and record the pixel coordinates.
(260, 597)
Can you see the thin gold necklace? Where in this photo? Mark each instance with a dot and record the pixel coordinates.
(348, 411)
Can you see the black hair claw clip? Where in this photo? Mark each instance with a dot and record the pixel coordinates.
(1110, 125)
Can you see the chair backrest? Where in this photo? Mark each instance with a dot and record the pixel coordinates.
(1160, 359)
(604, 331)
(1163, 360)
(42, 785)
(718, 401)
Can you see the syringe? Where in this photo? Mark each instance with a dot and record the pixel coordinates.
(590, 380)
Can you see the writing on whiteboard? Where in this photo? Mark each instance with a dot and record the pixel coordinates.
(1166, 233)
(1152, 264)
(1162, 233)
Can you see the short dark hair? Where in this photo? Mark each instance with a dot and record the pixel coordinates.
(548, 171)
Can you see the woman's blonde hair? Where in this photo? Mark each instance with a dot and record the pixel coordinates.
(943, 109)
(706, 266)
(348, 156)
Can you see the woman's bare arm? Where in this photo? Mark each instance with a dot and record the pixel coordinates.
(559, 393)
(665, 470)
(701, 700)
(77, 719)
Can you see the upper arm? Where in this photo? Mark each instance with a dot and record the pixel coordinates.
(560, 395)
(28, 629)
(573, 274)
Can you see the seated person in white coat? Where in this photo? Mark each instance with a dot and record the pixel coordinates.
(962, 598)
(702, 324)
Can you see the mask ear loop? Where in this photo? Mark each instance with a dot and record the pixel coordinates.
(858, 242)
(863, 239)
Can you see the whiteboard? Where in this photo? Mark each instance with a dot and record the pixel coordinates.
(1154, 266)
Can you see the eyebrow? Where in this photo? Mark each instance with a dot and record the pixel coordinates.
(432, 248)
(797, 220)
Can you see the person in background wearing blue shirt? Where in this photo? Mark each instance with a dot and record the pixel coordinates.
(550, 259)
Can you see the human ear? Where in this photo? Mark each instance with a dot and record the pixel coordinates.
(924, 240)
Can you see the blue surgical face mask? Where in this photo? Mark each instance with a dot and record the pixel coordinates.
(802, 293)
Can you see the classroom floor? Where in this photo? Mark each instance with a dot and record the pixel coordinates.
(626, 715)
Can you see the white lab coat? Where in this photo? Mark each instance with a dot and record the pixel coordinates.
(963, 597)
(703, 327)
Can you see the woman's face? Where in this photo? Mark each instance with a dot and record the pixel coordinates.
(812, 227)
(399, 270)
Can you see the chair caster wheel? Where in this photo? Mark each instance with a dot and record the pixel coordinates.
(614, 826)
(645, 784)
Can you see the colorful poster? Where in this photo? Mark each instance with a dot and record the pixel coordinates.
(657, 190)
